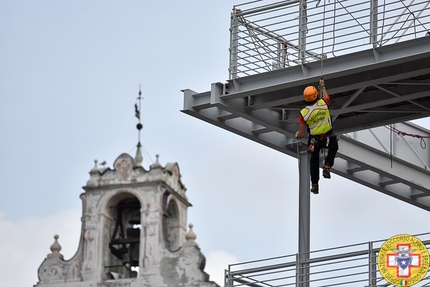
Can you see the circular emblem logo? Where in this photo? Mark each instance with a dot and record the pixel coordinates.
(403, 260)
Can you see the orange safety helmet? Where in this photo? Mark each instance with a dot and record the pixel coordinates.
(310, 93)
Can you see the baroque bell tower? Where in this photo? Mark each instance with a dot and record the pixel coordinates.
(134, 231)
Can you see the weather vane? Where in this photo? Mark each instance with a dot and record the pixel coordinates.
(138, 158)
(137, 113)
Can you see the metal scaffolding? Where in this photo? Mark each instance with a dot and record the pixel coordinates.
(375, 58)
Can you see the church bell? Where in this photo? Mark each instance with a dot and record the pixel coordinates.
(135, 217)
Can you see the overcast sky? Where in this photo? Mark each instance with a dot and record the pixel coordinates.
(70, 73)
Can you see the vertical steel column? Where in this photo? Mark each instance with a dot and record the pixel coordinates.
(234, 30)
(227, 278)
(374, 23)
(304, 219)
(303, 16)
(279, 56)
(372, 266)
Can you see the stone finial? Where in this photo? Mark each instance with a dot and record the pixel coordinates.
(191, 237)
(55, 248)
(138, 158)
(94, 175)
(157, 163)
(95, 169)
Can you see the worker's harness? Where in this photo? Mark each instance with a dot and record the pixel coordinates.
(313, 140)
(322, 137)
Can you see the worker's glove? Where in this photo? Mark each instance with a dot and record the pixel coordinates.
(311, 146)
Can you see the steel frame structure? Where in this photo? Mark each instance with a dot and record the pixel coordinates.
(383, 82)
(366, 92)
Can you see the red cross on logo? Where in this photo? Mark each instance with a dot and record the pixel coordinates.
(392, 260)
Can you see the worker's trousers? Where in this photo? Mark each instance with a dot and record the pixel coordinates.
(322, 142)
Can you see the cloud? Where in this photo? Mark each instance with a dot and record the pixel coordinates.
(27, 241)
(216, 263)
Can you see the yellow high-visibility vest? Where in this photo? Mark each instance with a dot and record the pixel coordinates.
(317, 117)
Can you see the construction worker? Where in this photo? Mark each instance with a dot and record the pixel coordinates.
(316, 118)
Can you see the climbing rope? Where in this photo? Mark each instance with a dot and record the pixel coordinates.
(334, 29)
(322, 56)
(322, 41)
(401, 133)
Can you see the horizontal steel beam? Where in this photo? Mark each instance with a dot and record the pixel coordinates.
(368, 89)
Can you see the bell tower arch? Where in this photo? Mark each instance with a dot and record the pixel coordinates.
(171, 226)
(122, 251)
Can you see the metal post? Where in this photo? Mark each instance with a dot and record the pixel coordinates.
(304, 219)
(234, 30)
(374, 23)
(372, 266)
(303, 15)
(279, 56)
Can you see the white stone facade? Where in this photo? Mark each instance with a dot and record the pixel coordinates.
(113, 250)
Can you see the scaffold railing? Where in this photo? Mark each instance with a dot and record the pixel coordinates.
(352, 265)
(268, 35)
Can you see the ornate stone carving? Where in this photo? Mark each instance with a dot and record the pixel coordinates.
(55, 270)
(123, 165)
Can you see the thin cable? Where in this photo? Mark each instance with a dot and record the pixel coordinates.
(391, 146)
(358, 22)
(398, 30)
(414, 18)
(147, 157)
(413, 15)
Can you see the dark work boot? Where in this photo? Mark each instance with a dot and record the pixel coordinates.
(326, 171)
(314, 188)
